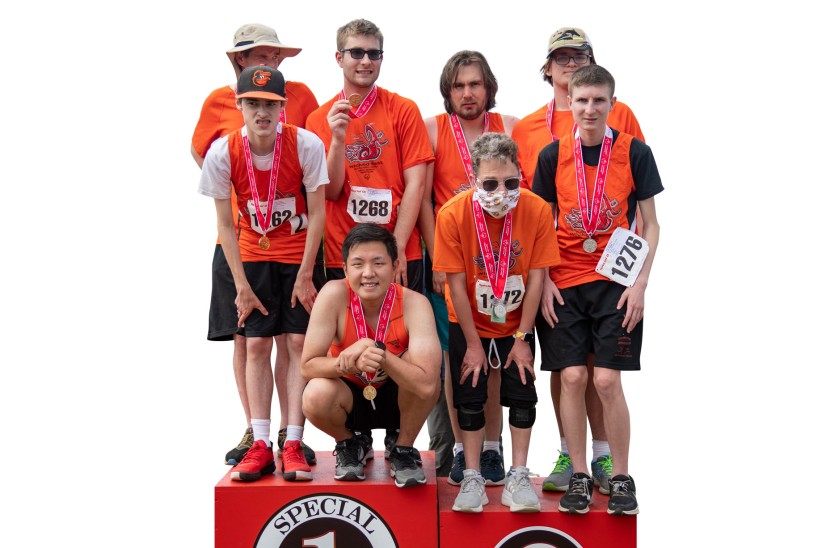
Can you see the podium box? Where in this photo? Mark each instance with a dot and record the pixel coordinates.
(325, 512)
(497, 527)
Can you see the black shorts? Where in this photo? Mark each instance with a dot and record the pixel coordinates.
(363, 417)
(589, 322)
(414, 274)
(512, 392)
(222, 314)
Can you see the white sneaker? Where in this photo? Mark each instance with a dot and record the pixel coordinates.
(519, 494)
(472, 495)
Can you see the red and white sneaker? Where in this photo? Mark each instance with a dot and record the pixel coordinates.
(257, 461)
(295, 467)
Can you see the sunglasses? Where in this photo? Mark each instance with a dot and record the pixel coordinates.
(490, 185)
(359, 53)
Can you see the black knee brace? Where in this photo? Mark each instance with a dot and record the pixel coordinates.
(471, 417)
(522, 417)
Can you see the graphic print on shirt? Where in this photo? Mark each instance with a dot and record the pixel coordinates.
(606, 216)
(367, 145)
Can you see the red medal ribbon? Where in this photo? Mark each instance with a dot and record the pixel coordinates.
(382, 324)
(549, 116)
(265, 221)
(497, 274)
(462, 144)
(366, 104)
(591, 214)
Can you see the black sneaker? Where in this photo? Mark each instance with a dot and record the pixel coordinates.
(578, 496)
(350, 460)
(457, 469)
(234, 456)
(310, 456)
(390, 441)
(367, 443)
(491, 468)
(406, 466)
(623, 496)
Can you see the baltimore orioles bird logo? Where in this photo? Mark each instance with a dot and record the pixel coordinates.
(569, 34)
(261, 77)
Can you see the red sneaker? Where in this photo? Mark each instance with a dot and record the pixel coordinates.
(257, 461)
(295, 467)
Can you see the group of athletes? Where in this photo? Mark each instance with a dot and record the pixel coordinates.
(403, 267)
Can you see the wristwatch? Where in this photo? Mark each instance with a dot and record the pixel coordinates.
(527, 337)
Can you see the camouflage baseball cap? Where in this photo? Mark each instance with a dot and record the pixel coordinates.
(568, 37)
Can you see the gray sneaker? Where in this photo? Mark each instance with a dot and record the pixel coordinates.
(601, 470)
(406, 466)
(518, 494)
(472, 493)
(350, 460)
(559, 479)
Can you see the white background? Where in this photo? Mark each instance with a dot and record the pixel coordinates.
(116, 411)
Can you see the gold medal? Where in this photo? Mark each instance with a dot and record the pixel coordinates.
(589, 245)
(355, 99)
(369, 392)
(265, 243)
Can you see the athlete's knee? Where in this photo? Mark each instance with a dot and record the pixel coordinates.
(471, 417)
(522, 417)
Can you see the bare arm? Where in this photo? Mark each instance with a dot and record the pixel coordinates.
(508, 123)
(418, 370)
(407, 218)
(635, 295)
(304, 289)
(520, 353)
(475, 359)
(246, 300)
(322, 331)
(338, 120)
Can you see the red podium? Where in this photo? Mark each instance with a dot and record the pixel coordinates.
(325, 512)
(497, 527)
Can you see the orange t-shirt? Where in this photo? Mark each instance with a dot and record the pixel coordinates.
(220, 116)
(288, 239)
(396, 337)
(457, 249)
(532, 134)
(449, 172)
(578, 266)
(390, 138)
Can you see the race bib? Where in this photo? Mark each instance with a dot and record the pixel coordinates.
(370, 205)
(284, 209)
(623, 257)
(511, 298)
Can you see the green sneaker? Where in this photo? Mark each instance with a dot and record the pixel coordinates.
(559, 479)
(601, 470)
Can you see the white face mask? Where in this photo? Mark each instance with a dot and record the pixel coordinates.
(498, 202)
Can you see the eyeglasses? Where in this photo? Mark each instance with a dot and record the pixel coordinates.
(359, 53)
(579, 59)
(490, 185)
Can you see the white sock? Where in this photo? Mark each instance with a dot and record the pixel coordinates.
(563, 443)
(489, 445)
(262, 430)
(293, 432)
(600, 448)
(457, 448)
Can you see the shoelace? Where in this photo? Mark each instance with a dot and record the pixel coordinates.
(489, 457)
(520, 481)
(247, 441)
(348, 453)
(405, 459)
(256, 454)
(472, 484)
(620, 488)
(607, 465)
(291, 455)
(562, 463)
(579, 487)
